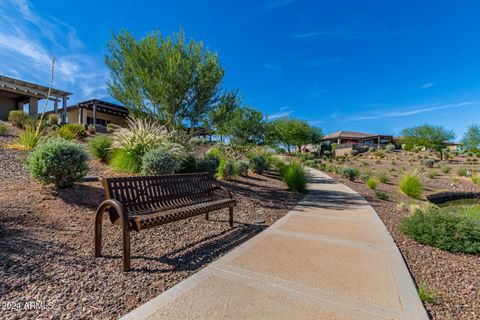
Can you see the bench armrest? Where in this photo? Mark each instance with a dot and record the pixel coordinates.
(227, 192)
(117, 206)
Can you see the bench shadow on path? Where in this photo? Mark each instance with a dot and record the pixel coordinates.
(196, 255)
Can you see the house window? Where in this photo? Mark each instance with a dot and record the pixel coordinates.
(101, 122)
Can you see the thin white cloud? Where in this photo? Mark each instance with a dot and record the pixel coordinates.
(28, 42)
(411, 112)
(283, 112)
(318, 34)
(427, 85)
(273, 67)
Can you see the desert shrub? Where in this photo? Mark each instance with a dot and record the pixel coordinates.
(226, 169)
(30, 138)
(476, 178)
(390, 147)
(378, 153)
(372, 183)
(216, 152)
(294, 176)
(72, 131)
(188, 165)
(349, 173)
(310, 163)
(242, 167)
(59, 162)
(17, 117)
(209, 164)
(455, 228)
(258, 164)
(371, 149)
(383, 177)
(3, 129)
(462, 172)
(365, 175)
(92, 129)
(31, 121)
(411, 185)
(322, 166)
(445, 168)
(53, 119)
(432, 174)
(426, 295)
(126, 160)
(100, 147)
(159, 161)
(428, 162)
(382, 195)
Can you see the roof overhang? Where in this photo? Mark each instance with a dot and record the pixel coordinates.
(29, 89)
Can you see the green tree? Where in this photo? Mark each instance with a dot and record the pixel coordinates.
(221, 114)
(169, 79)
(471, 138)
(245, 129)
(428, 136)
(290, 133)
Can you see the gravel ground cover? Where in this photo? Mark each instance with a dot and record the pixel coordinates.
(46, 244)
(454, 278)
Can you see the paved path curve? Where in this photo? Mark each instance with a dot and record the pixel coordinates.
(331, 257)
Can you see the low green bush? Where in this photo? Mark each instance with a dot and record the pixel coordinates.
(71, 131)
(426, 295)
(455, 228)
(100, 147)
(17, 117)
(382, 195)
(411, 186)
(445, 168)
(294, 176)
(476, 178)
(226, 170)
(53, 119)
(383, 177)
(242, 167)
(432, 174)
(188, 165)
(32, 122)
(428, 163)
(92, 129)
(462, 172)
(126, 160)
(3, 129)
(258, 164)
(59, 162)
(209, 164)
(372, 183)
(159, 161)
(390, 148)
(350, 173)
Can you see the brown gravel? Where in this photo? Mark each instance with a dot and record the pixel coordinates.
(453, 277)
(46, 245)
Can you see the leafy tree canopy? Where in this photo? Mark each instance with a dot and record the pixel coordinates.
(471, 138)
(290, 133)
(428, 136)
(170, 79)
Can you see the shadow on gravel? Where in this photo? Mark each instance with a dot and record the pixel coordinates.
(196, 255)
(86, 195)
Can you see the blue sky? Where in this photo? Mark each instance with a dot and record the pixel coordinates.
(372, 66)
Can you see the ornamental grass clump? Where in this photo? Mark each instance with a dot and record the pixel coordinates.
(3, 129)
(242, 167)
(258, 164)
(58, 161)
(71, 131)
(350, 173)
(372, 183)
(411, 185)
(100, 147)
(294, 176)
(227, 170)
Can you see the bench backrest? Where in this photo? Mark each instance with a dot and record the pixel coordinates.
(162, 192)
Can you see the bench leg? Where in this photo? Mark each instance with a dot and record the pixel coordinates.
(206, 216)
(126, 250)
(230, 220)
(98, 233)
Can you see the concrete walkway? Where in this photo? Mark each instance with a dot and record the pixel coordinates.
(331, 257)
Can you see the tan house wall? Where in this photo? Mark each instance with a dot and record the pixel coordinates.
(72, 117)
(6, 105)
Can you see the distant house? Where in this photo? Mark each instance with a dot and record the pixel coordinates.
(97, 112)
(349, 138)
(17, 94)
